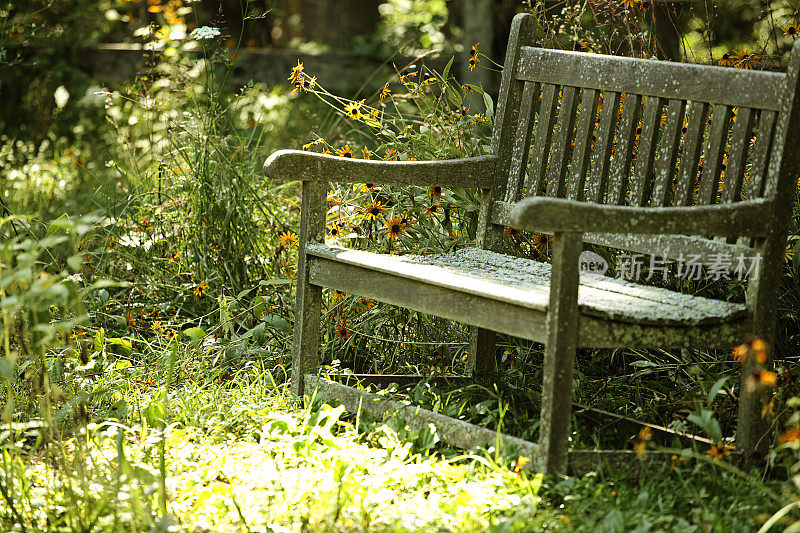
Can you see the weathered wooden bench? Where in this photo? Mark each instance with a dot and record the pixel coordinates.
(647, 156)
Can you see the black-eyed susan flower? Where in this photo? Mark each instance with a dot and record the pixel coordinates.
(435, 192)
(313, 142)
(346, 151)
(385, 92)
(511, 232)
(296, 73)
(432, 209)
(727, 60)
(473, 62)
(368, 187)
(373, 211)
(541, 241)
(791, 30)
(718, 451)
(406, 220)
(335, 230)
(353, 110)
(288, 239)
(676, 462)
(200, 290)
(746, 60)
(342, 331)
(390, 155)
(631, 3)
(394, 228)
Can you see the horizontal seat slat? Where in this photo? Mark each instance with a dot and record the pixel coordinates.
(684, 81)
(526, 283)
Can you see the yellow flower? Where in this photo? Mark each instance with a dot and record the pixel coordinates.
(342, 331)
(313, 142)
(641, 444)
(788, 254)
(385, 92)
(790, 30)
(473, 52)
(432, 209)
(727, 60)
(630, 3)
(406, 220)
(542, 241)
(521, 462)
(200, 290)
(296, 73)
(288, 239)
(353, 110)
(374, 211)
(435, 192)
(394, 227)
(345, 152)
(746, 60)
(718, 451)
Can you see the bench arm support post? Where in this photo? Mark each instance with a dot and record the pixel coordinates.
(559, 355)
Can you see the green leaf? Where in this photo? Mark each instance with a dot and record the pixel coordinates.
(194, 333)
(122, 364)
(715, 389)
(279, 281)
(7, 369)
(75, 262)
(125, 344)
(99, 339)
(446, 71)
(277, 322)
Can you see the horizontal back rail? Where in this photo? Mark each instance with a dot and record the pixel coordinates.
(686, 81)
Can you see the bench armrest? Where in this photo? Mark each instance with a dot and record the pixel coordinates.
(751, 218)
(292, 165)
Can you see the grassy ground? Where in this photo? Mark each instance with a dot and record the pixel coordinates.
(239, 456)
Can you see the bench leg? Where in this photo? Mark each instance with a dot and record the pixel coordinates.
(305, 346)
(559, 356)
(482, 357)
(308, 305)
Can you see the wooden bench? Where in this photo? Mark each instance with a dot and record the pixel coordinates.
(647, 156)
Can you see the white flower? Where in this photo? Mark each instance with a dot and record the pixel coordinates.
(204, 32)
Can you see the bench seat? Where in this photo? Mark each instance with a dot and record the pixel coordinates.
(514, 292)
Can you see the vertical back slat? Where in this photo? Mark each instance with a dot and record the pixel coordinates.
(519, 152)
(761, 150)
(717, 140)
(583, 144)
(556, 182)
(737, 155)
(618, 187)
(544, 132)
(668, 156)
(692, 146)
(602, 147)
(645, 152)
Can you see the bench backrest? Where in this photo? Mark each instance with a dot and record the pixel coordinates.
(637, 132)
